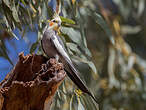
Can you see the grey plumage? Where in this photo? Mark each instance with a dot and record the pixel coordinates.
(54, 47)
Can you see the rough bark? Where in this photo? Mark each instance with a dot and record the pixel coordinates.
(32, 84)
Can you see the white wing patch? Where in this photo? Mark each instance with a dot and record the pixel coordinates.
(60, 48)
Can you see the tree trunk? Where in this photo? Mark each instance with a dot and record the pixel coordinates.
(32, 84)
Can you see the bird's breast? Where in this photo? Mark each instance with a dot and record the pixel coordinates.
(48, 48)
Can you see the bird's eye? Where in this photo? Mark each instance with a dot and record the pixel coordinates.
(54, 21)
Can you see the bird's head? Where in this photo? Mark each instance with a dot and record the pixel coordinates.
(55, 23)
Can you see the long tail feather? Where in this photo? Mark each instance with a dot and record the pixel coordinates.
(73, 75)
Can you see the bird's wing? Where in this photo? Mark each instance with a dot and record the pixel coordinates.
(69, 67)
(61, 42)
(59, 47)
(71, 71)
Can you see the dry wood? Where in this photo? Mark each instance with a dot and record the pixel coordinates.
(32, 84)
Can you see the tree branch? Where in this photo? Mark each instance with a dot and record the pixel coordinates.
(31, 84)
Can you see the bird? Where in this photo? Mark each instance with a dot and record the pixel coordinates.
(53, 47)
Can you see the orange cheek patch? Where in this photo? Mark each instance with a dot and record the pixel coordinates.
(51, 23)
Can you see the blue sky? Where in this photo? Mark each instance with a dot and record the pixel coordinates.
(16, 46)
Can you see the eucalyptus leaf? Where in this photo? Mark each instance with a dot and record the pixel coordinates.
(85, 51)
(4, 52)
(71, 102)
(15, 14)
(50, 12)
(73, 34)
(34, 47)
(80, 106)
(74, 48)
(90, 63)
(67, 20)
(44, 12)
(23, 2)
(12, 34)
(9, 30)
(78, 51)
(7, 2)
(141, 7)
(29, 16)
(99, 20)
(92, 66)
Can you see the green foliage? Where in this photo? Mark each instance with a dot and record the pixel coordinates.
(99, 20)
(66, 20)
(102, 45)
(34, 47)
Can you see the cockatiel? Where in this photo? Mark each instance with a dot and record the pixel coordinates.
(53, 46)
